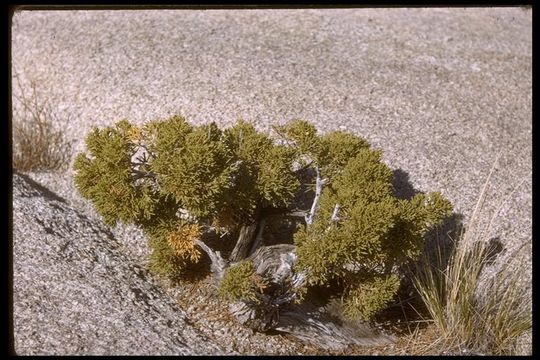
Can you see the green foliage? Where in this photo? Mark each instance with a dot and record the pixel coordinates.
(374, 231)
(330, 152)
(163, 259)
(416, 217)
(338, 148)
(175, 180)
(105, 177)
(192, 165)
(303, 136)
(213, 176)
(264, 176)
(162, 229)
(368, 295)
(242, 283)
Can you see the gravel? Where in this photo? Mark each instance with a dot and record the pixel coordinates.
(442, 91)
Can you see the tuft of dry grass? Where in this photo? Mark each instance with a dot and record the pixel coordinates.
(37, 143)
(474, 313)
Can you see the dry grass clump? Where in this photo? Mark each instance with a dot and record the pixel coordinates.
(37, 143)
(472, 312)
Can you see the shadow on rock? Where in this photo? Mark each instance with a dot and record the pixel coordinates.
(403, 189)
(439, 243)
(32, 188)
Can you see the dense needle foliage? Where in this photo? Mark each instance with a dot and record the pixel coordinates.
(178, 181)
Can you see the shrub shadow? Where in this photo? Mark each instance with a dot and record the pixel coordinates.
(439, 242)
(403, 189)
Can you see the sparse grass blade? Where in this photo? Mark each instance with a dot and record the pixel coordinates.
(37, 143)
(489, 321)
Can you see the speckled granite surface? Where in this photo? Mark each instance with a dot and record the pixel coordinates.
(441, 91)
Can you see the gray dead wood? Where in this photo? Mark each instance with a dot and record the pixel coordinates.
(305, 321)
(244, 243)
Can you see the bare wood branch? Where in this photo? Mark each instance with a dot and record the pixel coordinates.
(319, 183)
(146, 149)
(137, 174)
(297, 213)
(259, 237)
(218, 263)
(335, 213)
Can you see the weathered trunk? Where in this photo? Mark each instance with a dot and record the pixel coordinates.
(317, 327)
(250, 237)
(309, 324)
(245, 242)
(305, 321)
(273, 263)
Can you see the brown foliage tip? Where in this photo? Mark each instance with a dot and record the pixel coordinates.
(182, 241)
